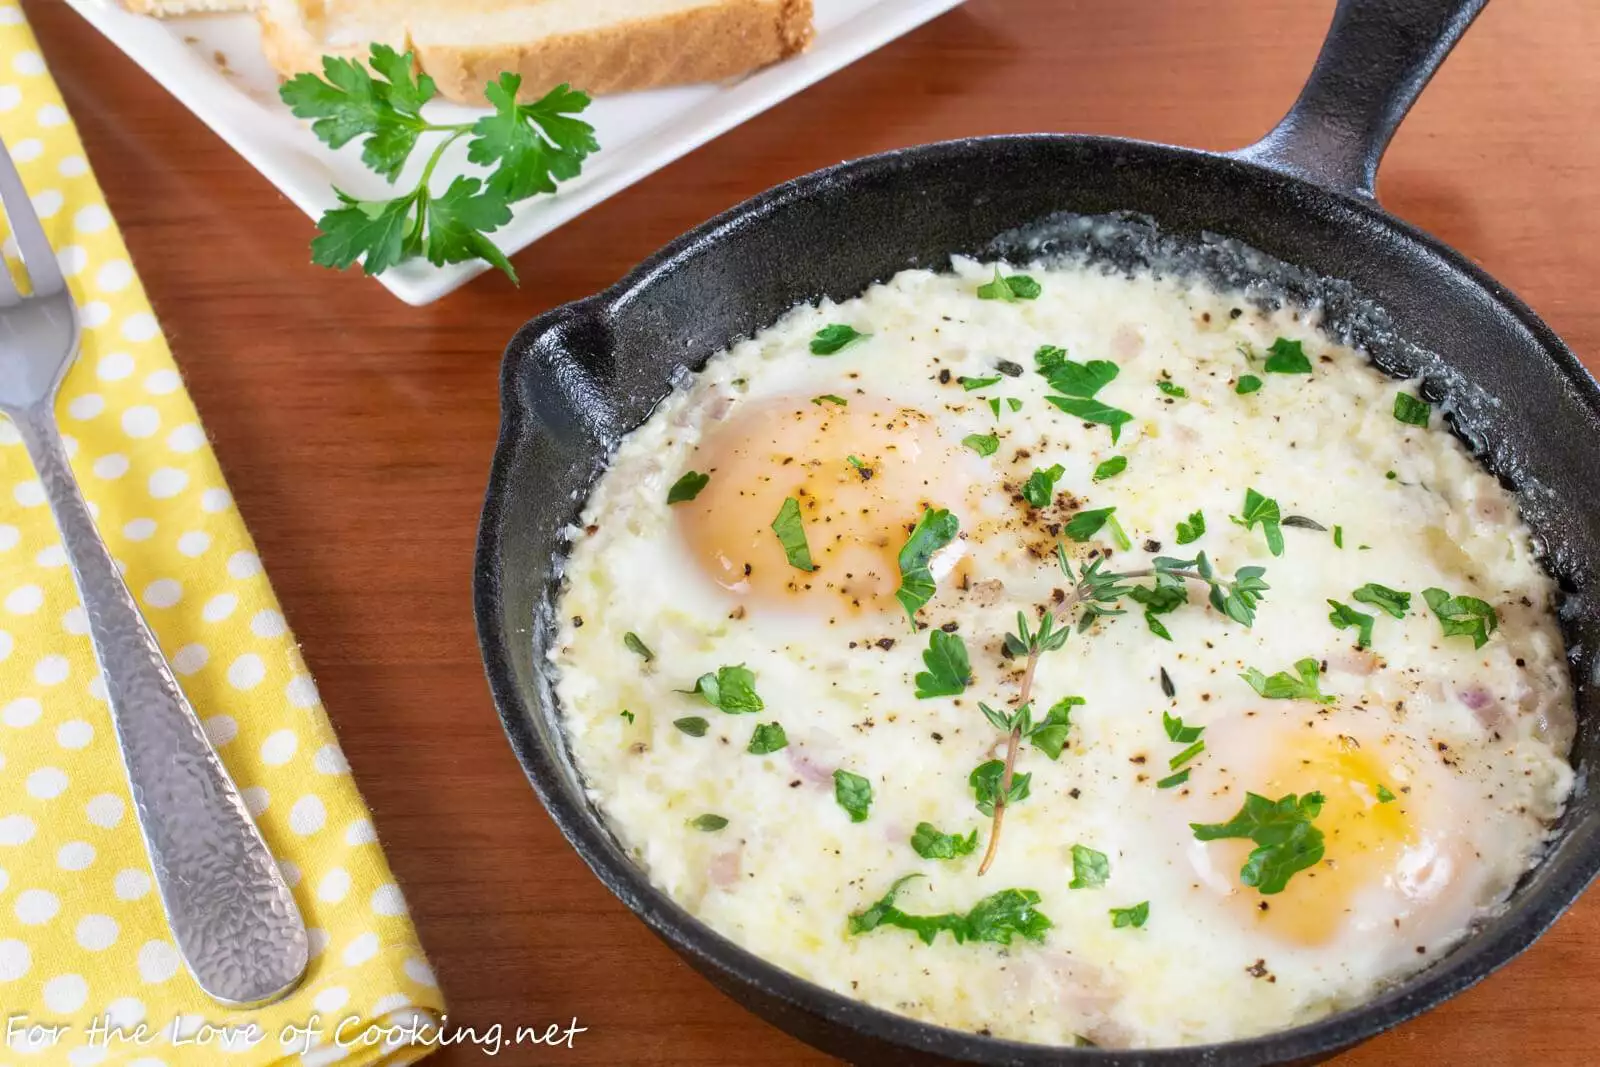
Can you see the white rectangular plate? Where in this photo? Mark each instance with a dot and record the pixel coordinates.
(213, 65)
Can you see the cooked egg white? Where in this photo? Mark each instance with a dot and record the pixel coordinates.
(1470, 743)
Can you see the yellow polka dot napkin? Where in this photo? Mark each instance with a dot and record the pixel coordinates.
(89, 972)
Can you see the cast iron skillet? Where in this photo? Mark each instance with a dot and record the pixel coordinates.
(577, 377)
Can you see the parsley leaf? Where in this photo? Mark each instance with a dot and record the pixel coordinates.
(1343, 616)
(1070, 378)
(829, 398)
(1092, 411)
(792, 535)
(985, 782)
(694, 725)
(931, 844)
(933, 531)
(1186, 755)
(1085, 524)
(949, 671)
(374, 229)
(1263, 510)
(854, 794)
(1247, 384)
(1173, 779)
(688, 487)
(1411, 410)
(831, 339)
(1050, 735)
(1384, 796)
(1016, 287)
(996, 918)
(1172, 388)
(709, 823)
(768, 737)
(984, 444)
(1287, 357)
(1040, 488)
(1193, 529)
(346, 103)
(1286, 841)
(1286, 686)
(1463, 616)
(1338, 537)
(531, 146)
(1090, 868)
(1392, 601)
(1111, 468)
(1177, 731)
(974, 384)
(631, 641)
(733, 689)
(628, 715)
(1134, 916)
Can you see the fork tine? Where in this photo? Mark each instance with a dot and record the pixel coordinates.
(8, 287)
(43, 271)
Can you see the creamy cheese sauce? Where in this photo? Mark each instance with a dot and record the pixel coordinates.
(1469, 742)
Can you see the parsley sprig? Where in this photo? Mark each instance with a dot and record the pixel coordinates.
(530, 147)
(998, 918)
(1286, 841)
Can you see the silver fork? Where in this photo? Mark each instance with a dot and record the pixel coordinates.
(233, 917)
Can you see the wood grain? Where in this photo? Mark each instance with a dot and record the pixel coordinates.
(357, 432)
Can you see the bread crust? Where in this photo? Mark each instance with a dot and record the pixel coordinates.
(720, 39)
(165, 8)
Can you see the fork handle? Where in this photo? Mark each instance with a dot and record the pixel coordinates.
(234, 919)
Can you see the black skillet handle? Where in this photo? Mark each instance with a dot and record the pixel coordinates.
(1376, 59)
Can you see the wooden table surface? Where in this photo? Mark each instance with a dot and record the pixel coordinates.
(357, 432)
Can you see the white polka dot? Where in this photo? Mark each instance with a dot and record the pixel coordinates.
(219, 607)
(73, 167)
(51, 116)
(279, 747)
(16, 830)
(126, 1012)
(105, 810)
(97, 932)
(23, 711)
(246, 672)
(70, 444)
(393, 1002)
(190, 658)
(158, 961)
(418, 971)
(360, 950)
(10, 536)
(268, 624)
(256, 799)
(47, 203)
(188, 438)
(307, 815)
(220, 729)
(72, 259)
(75, 855)
(35, 907)
(114, 276)
(243, 565)
(11, 16)
(75, 621)
(130, 884)
(8, 431)
(25, 600)
(30, 494)
(47, 783)
(140, 326)
(194, 543)
(360, 832)
(5, 646)
(74, 733)
(141, 420)
(334, 885)
(65, 993)
(92, 219)
(86, 406)
(114, 465)
(10, 96)
(215, 500)
(302, 692)
(331, 999)
(51, 556)
(5, 879)
(27, 63)
(28, 150)
(163, 593)
(139, 530)
(290, 872)
(114, 366)
(97, 688)
(386, 900)
(162, 382)
(94, 314)
(168, 482)
(14, 960)
(329, 760)
(51, 670)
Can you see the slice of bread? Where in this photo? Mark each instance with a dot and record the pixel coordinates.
(167, 8)
(599, 46)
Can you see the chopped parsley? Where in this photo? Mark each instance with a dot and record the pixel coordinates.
(1078, 383)
(1040, 488)
(932, 844)
(708, 823)
(1302, 685)
(1016, 287)
(1186, 755)
(1134, 916)
(1173, 779)
(1111, 468)
(1287, 357)
(1463, 616)
(694, 725)
(1085, 524)
(829, 398)
(831, 339)
(1172, 388)
(1263, 510)
(1090, 868)
(733, 689)
(1411, 410)
(688, 487)
(1384, 796)
(996, 918)
(1338, 537)
(792, 534)
(1247, 384)
(630, 640)
(768, 737)
(1392, 601)
(1092, 411)
(949, 671)
(985, 782)
(984, 444)
(1177, 731)
(972, 384)
(1050, 735)
(854, 794)
(1193, 529)
(933, 531)
(1286, 841)
(628, 715)
(1343, 616)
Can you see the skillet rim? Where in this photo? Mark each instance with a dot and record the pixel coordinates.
(1497, 943)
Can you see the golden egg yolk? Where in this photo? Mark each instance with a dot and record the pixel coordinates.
(1365, 839)
(861, 474)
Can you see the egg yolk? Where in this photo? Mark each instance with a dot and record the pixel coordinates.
(861, 474)
(1367, 841)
